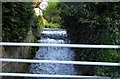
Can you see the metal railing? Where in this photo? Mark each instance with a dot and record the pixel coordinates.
(56, 61)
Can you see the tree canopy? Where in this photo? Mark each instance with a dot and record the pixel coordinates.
(94, 23)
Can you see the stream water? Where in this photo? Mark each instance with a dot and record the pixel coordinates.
(54, 36)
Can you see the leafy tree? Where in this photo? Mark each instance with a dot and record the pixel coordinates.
(17, 19)
(94, 23)
(51, 13)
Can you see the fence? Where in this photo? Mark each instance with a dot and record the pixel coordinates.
(56, 61)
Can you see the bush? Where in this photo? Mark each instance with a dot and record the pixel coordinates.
(52, 25)
(108, 55)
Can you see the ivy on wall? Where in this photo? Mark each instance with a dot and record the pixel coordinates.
(17, 18)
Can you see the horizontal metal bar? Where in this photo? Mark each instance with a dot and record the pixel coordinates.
(62, 0)
(51, 76)
(59, 45)
(61, 62)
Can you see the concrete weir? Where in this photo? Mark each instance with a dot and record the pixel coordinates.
(53, 36)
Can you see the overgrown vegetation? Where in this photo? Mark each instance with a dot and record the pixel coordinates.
(86, 23)
(94, 23)
(18, 22)
(51, 14)
(52, 25)
(37, 25)
(17, 19)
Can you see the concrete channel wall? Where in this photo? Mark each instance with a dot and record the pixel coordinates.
(18, 53)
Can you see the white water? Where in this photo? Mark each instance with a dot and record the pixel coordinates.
(53, 53)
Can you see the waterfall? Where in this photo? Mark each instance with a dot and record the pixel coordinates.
(53, 36)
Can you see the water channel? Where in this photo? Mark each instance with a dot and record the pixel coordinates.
(53, 36)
